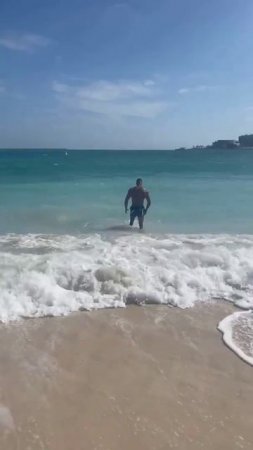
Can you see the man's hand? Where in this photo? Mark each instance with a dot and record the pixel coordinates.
(128, 196)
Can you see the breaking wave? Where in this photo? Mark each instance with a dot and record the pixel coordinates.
(54, 275)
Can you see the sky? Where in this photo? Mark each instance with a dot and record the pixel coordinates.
(134, 74)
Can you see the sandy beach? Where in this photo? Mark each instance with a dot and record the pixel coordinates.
(140, 378)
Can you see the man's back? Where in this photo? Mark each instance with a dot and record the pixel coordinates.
(138, 195)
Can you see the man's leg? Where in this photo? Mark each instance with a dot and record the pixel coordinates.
(132, 217)
(141, 221)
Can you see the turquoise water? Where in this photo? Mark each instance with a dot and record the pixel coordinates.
(83, 191)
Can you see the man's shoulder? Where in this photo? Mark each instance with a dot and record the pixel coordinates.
(135, 189)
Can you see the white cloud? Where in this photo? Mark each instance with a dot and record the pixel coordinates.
(143, 109)
(183, 91)
(105, 91)
(59, 87)
(198, 88)
(122, 98)
(24, 42)
(149, 83)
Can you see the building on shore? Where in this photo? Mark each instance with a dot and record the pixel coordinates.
(246, 140)
(225, 144)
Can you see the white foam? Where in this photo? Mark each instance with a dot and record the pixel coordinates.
(55, 275)
(6, 419)
(237, 332)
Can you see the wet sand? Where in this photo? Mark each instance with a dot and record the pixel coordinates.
(140, 378)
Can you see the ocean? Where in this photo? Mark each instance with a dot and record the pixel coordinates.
(66, 246)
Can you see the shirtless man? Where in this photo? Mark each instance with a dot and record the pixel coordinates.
(138, 194)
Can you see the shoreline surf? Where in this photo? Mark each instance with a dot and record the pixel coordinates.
(50, 275)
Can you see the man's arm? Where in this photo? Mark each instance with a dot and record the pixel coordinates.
(128, 196)
(148, 202)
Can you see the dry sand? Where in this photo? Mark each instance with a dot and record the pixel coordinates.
(127, 379)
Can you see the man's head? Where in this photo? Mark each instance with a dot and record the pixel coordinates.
(139, 182)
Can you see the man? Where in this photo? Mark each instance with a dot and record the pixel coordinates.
(138, 194)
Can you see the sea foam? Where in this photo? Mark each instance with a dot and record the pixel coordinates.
(237, 332)
(55, 275)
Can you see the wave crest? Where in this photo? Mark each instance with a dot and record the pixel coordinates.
(55, 275)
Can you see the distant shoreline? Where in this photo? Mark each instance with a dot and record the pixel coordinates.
(177, 150)
(215, 149)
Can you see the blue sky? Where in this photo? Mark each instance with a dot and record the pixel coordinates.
(125, 74)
